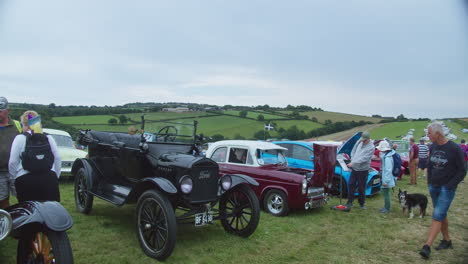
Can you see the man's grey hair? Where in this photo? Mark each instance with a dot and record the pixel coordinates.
(436, 127)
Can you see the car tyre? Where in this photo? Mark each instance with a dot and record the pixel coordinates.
(49, 247)
(239, 211)
(83, 198)
(156, 225)
(276, 203)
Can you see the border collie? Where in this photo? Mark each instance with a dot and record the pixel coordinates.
(410, 201)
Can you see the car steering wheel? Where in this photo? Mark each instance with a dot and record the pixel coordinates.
(168, 132)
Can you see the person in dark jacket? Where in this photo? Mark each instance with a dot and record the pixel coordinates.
(9, 128)
(445, 171)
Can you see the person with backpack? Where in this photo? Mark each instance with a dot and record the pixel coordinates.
(34, 162)
(9, 128)
(388, 179)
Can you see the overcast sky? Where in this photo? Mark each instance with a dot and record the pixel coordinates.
(355, 56)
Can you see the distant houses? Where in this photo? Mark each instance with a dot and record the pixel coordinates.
(176, 110)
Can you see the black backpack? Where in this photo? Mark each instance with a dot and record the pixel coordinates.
(37, 155)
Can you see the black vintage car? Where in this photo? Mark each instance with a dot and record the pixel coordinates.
(168, 179)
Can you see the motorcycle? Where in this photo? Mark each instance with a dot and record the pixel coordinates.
(40, 228)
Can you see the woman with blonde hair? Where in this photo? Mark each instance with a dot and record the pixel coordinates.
(34, 162)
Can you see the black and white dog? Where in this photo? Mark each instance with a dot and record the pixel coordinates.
(410, 201)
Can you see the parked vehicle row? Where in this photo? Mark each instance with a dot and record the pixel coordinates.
(172, 183)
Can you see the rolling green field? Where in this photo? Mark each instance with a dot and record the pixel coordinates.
(228, 126)
(103, 119)
(256, 114)
(336, 117)
(396, 129)
(107, 235)
(83, 120)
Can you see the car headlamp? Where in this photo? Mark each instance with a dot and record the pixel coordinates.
(226, 182)
(186, 184)
(5, 224)
(304, 186)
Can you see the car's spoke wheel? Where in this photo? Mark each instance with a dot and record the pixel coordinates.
(46, 247)
(240, 211)
(83, 199)
(276, 203)
(156, 225)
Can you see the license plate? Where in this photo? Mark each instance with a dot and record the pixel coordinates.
(376, 181)
(202, 219)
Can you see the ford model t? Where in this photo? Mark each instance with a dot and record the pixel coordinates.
(170, 182)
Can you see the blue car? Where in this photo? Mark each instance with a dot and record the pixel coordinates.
(300, 154)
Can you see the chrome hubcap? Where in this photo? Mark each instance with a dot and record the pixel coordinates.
(275, 204)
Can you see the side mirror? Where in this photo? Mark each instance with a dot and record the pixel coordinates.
(311, 157)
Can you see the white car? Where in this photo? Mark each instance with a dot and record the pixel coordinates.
(66, 148)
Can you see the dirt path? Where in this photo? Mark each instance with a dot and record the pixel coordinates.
(344, 135)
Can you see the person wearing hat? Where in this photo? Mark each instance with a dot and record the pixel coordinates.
(361, 156)
(132, 130)
(388, 180)
(8, 130)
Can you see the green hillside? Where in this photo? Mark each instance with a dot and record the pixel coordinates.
(103, 119)
(227, 126)
(254, 115)
(74, 120)
(397, 129)
(336, 117)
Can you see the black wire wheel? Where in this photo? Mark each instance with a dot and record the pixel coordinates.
(83, 198)
(276, 203)
(156, 225)
(239, 211)
(44, 247)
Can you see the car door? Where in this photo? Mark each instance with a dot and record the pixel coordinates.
(302, 157)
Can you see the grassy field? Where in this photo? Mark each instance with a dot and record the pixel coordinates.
(335, 116)
(83, 120)
(103, 119)
(108, 235)
(228, 126)
(396, 129)
(256, 114)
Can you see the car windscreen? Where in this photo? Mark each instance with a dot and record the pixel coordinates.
(63, 141)
(270, 156)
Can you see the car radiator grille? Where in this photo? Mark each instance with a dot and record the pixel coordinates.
(205, 184)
